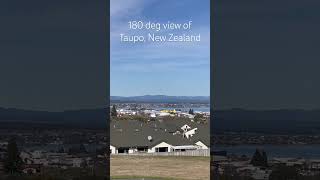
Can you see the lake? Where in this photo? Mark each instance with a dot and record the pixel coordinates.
(303, 151)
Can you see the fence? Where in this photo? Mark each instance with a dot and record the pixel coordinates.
(200, 152)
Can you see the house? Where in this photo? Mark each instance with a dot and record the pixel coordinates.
(37, 154)
(3, 144)
(190, 116)
(202, 145)
(146, 140)
(202, 137)
(136, 137)
(254, 172)
(164, 114)
(31, 169)
(161, 147)
(26, 157)
(112, 149)
(314, 164)
(186, 148)
(153, 115)
(77, 162)
(122, 112)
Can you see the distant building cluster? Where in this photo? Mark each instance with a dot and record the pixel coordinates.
(242, 166)
(161, 113)
(61, 150)
(34, 160)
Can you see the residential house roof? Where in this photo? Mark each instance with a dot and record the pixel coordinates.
(131, 133)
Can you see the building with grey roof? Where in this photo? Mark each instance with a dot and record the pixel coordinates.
(130, 136)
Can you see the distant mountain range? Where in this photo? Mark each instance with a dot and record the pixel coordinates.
(161, 99)
(282, 121)
(18, 118)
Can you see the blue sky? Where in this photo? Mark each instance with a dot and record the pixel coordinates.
(169, 68)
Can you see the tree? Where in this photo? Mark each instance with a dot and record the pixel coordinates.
(13, 161)
(198, 118)
(114, 111)
(260, 158)
(191, 111)
(140, 118)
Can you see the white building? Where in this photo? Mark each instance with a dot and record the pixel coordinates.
(113, 150)
(201, 145)
(131, 137)
(161, 147)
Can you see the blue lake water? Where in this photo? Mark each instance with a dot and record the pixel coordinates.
(303, 151)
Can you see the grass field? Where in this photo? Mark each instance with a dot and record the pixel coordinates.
(160, 167)
(139, 178)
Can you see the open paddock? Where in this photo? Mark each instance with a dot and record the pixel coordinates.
(161, 167)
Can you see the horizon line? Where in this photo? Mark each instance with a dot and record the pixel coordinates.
(161, 95)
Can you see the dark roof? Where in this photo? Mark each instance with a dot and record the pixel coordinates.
(173, 125)
(128, 133)
(202, 134)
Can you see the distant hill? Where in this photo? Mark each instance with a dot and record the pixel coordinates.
(161, 99)
(267, 121)
(11, 118)
(233, 120)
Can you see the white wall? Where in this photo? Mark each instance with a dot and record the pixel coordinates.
(203, 146)
(186, 147)
(164, 114)
(113, 150)
(162, 144)
(132, 151)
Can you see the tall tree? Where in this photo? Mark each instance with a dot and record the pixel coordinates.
(191, 111)
(13, 161)
(259, 158)
(198, 118)
(114, 111)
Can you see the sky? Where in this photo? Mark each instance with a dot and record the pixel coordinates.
(266, 54)
(53, 54)
(176, 69)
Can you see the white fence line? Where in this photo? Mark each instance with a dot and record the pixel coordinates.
(200, 152)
